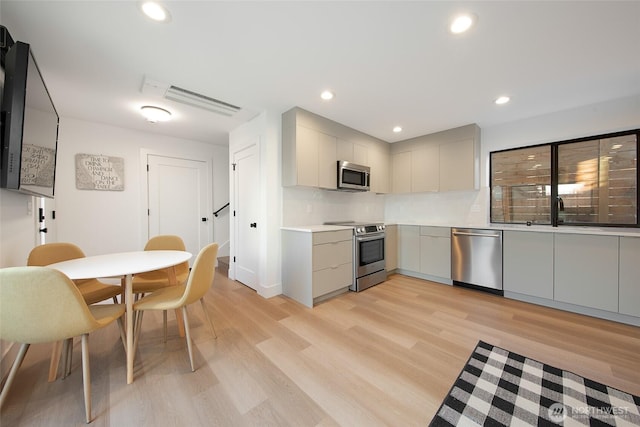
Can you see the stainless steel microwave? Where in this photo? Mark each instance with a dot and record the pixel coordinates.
(353, 177)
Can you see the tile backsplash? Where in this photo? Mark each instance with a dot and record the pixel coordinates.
(309, 206)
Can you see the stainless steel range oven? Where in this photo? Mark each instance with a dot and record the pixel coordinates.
(369, 266)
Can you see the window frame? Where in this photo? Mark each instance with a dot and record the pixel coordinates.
(553, 146)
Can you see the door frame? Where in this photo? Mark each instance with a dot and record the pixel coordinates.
(144, 190)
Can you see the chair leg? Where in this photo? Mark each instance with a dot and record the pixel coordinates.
(204, 308)
(123, 335)
(67, 352)
(136, 330)
(188, 334)
(86, 377)
(55, 361)
(164, 321)
(22, 352)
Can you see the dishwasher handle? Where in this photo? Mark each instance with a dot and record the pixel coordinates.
(464, 233)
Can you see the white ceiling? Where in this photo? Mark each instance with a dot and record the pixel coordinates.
(389, 63)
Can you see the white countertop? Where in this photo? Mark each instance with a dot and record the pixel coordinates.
(316, 228)
(567, 229)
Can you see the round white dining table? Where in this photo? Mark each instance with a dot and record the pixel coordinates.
(123, 264)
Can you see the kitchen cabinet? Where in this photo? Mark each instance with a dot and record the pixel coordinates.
(409, 247)
(459, 165)
(316, 265)
(312, 145)
(391, 247)
(401, 172)
(314, 158)
(352, 152)
(425, 169)
(380, 164)
(586, 270)
(435, 251)
(528, 263)
(415, 171)
(629, 298)
(443, 161)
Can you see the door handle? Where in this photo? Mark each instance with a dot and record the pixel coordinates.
(253, 225)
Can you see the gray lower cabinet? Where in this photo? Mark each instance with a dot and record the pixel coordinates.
(409, 247)
(629, 276)
(586, 270)
(435, 251)
(316, 265)
(528, 263)
(391, 247)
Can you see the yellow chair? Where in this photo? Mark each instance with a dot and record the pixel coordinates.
(178, 297)
(92, 290)
(151, 281)
(39, 304)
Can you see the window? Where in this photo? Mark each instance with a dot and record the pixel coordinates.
(520, 183)
(590, 181)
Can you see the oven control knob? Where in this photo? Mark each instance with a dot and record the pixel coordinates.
(359, 230)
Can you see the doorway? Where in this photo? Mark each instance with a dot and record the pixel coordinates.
(178, 200)
(246, 228)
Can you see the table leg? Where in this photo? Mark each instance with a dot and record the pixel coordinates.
(129, 310)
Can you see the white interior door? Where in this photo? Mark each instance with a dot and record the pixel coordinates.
(178, 202)
(247, 228)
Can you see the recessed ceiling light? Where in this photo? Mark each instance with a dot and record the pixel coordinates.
(397, 129)
(155, 114)
(502, 100)
(462, 23)
(155, 11)
(327, 95)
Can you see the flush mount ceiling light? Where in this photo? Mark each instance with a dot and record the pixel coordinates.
(502, 100)
(155, 114)
(462, 23)
(397, 129)
(155, 11)
(327, 95)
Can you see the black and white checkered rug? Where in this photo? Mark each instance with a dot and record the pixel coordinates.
(501, 388)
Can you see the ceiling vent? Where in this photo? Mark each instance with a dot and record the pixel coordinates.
(188, 97)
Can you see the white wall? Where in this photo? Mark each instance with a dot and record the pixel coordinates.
(104, 221)
(17, 228)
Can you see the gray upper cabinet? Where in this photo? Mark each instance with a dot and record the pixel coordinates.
(443, 161)
(312, 145)
(586, 270)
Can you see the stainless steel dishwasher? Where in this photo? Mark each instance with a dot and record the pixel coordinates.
(476, 258)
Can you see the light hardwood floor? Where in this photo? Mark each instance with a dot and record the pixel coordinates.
(385, 356)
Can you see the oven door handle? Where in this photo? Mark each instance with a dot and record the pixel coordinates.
(370, 237)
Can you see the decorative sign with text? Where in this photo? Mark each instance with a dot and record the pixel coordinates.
(98, 172)
(38, 165)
